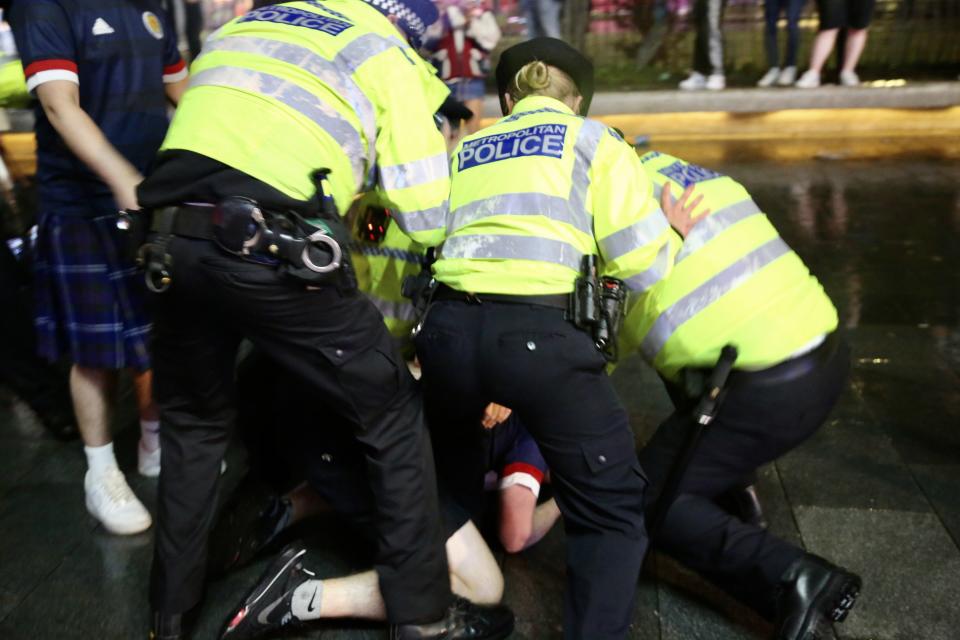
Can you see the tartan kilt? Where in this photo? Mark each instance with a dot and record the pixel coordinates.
(90, 303)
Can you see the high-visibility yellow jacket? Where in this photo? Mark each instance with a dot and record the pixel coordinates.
(381, 268)
(538, 190)
(13, 86)
(287, 89)
(734, 281)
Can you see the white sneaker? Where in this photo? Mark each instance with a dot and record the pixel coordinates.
(695, 82)
(771, 76)
(716, 82)
(809, 80)
(111, 501)
(849, 79)
(148, 462)
(787, 76)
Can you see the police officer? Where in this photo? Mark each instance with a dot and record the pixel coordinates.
(277, 94)
(530, 197)
(735, 281)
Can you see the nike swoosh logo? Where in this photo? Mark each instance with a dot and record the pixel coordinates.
(310, 607)
(262, 618)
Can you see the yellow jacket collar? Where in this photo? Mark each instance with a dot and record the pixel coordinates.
(532, 103)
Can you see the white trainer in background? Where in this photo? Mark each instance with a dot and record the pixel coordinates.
(771, 76)
(809, 80)
(716, 82)
(111, 501)
(787, 76)
(695, 81)
(849, 79)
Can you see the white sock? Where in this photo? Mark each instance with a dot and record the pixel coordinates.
(100, 459)
(305, 604)
(150, 434)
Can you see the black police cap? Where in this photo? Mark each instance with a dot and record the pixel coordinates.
(551, 51)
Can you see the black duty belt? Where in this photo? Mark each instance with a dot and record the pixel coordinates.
(189, 221)
(792, 369)
(557, 301)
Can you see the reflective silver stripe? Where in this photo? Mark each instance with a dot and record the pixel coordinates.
(337, 77)
(388, 309)
(365, 47)
(710, 227)
(654, 274)
(296, 98)
(520, 204)
(501, 247)
(584, 150)
(412, 174)
(640, 233)
(376, 251)
(709, 292)
(657, 191)
(423, 220)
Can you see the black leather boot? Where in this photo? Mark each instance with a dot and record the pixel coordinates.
(813, 591)
(464, 620)
(167, 626)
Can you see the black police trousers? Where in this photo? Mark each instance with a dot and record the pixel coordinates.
(757, 423)
(530, 359)
(337, 343)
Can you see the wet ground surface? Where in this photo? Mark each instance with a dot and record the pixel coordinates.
(877, 490)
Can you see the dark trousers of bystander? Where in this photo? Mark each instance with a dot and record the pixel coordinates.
(338, 343)
(708, 45)
(772, 9)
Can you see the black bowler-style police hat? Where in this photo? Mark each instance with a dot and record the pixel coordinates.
(554, 52)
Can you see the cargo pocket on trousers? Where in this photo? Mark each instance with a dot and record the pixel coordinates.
(370, 380)
(607, 454)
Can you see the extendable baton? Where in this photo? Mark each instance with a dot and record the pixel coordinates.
(703, 414)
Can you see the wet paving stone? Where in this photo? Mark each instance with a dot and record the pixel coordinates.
(875, 490)
(909, 565)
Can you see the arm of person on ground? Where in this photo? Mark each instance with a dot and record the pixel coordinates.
(633, 235)
(60, 100)
(523, 523)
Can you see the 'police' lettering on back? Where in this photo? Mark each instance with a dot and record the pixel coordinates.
(539, 140)
(688, 174)
(298, 18)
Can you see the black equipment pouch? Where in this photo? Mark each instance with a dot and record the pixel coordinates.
(372, 224)
(134, 225)
(613, 308)
(420, 289)
(153, 256)
(583, 309)
(238, 225)
(598, 306)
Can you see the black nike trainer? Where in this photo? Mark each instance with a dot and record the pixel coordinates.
(268, 605)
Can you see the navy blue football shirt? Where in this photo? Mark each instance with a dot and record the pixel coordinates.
(120, 53)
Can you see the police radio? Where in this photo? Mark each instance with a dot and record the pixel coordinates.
(613, 308)
(598, 305)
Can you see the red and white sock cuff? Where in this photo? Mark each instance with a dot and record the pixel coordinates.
(175, 72)
(43, 71)
(522, 474)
